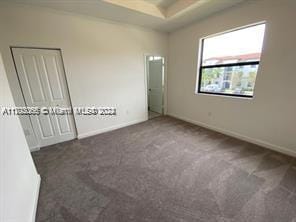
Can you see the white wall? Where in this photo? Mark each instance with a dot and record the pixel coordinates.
(104, 61)
(269, 118)
(19, 181)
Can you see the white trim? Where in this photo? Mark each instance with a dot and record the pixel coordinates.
(223, 96)
(36, 197)
(258, 142)
(146, 84)
(104, 130)
(34, 148)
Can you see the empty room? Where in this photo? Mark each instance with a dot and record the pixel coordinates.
(147, 111)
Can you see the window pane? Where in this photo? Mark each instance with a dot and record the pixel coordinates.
(241, 45)
(233, 80)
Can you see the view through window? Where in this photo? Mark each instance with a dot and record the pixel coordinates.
(230, 61)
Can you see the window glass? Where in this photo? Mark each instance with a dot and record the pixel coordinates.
(230, 61)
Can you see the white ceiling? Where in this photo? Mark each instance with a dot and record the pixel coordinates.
(161, 15)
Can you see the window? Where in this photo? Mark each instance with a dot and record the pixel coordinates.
(229, 62)
(151, 58)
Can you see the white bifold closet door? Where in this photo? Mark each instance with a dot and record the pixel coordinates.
(43, 82)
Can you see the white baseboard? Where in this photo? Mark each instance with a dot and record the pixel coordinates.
(34, 148)
(104, 130)
(36, 197)
(258, 142)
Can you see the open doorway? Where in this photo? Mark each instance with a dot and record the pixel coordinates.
(155, 85)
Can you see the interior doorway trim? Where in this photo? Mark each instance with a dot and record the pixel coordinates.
(66, 85)
(146, 83)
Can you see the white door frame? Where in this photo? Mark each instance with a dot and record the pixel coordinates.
(146, 83)
(66, 85)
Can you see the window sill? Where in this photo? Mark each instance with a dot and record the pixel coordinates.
(224, 95)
